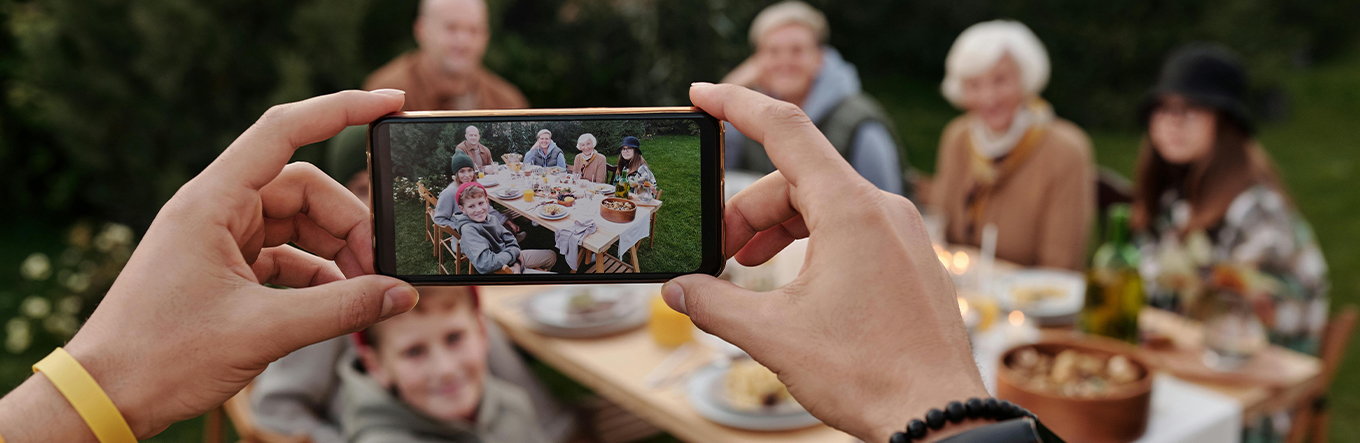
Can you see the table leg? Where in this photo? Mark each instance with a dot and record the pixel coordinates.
(599, 262)
(636, 269)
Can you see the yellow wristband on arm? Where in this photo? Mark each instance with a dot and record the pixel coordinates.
(86, 396)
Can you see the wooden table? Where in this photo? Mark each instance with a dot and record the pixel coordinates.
(599, 242)
(614, 367)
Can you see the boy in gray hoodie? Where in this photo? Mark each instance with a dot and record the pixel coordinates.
(422, 377)
(486, 242)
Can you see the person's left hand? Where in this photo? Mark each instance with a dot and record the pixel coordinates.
(189, 321)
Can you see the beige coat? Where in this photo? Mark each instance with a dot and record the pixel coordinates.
(1043, 209)
(595, 171)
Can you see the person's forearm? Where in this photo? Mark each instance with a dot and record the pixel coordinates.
(37, 412)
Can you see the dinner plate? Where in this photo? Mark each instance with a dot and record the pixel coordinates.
(565, 212)
(510, 193)
(707, 398)
(547, 313)
(488, 182)
(1062, 307)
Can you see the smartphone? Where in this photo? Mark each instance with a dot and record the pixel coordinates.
(595, 195)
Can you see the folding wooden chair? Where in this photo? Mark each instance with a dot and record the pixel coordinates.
(1313, 417)
(651, 235)
(242, 416)
(451, 245)
(430, 203)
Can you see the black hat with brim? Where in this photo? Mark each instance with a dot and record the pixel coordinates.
(1206, 75)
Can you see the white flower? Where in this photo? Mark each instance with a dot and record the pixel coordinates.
(18, 335)
(36, 267)
(112, 236)
(35, 307)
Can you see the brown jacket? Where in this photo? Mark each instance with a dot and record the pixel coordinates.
(427, 89)
(481, 155)
(1042, 210)
(595, 171)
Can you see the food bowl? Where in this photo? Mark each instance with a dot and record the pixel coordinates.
(566, 200)
(625, 214)
(1116, 414)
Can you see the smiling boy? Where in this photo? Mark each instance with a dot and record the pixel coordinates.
(422, 377)
(486, 242)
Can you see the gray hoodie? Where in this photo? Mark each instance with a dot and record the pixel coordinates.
(373, 415)
(554, 157)
(487, 244)
(874, 154)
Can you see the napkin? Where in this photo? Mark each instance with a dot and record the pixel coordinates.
(569, 240)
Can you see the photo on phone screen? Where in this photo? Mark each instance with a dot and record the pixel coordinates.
(547, 196)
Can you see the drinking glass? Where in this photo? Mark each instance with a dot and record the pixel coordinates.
(1233, 334)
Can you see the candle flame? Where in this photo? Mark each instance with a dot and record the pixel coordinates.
(1016, 318)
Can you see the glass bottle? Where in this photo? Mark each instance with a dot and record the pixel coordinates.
(1114, 288)
(620, 185)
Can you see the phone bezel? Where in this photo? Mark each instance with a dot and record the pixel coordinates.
(712, 259)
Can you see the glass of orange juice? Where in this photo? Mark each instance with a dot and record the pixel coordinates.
(669, 328)
(528, 195)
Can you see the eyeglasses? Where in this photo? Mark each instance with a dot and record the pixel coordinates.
(1182, 114)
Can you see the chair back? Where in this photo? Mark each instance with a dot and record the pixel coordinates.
(425, 194)
(1335, 340)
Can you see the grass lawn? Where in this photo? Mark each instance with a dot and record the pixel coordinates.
(1317, 150)
(675, 162)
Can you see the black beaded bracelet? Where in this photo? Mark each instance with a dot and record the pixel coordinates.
(955, 412)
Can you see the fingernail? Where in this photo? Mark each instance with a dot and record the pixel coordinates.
(397, 300)
(700, 84)
(389, 92)
(674, 296)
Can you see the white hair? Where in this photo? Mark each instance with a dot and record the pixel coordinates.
(587, 135)
(543, 131)
(980, 46)
(791, 12)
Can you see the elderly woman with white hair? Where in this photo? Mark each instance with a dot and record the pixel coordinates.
(1008, 161)
(793, 63)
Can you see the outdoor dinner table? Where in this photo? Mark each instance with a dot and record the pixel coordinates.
(607, 233)
(615, 366)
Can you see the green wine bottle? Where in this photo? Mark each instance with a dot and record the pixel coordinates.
(1114, 288)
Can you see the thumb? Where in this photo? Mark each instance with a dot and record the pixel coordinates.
(718, 307)
(318, 313)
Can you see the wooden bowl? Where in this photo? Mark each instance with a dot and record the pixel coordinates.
(1118, 417)
(617, 216)
(561, 200)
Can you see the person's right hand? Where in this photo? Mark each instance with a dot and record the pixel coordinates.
(869, 335)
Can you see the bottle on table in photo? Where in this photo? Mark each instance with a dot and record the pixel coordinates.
(620, 186)
(1114, 288)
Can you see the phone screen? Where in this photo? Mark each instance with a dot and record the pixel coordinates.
(547, 196)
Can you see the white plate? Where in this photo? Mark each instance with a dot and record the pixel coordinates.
(1072, 284)
(488, 181)
(547, 313)
(705, 391)
(510, 193)
(565, 212)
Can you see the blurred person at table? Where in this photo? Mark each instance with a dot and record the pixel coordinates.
(592, 165)
(445, 208)
(792, 62)
(631, 165)
(472, 147)
(422, 377)
(1207, 193)
(487, 243)
(1008, 160)
(545, 152)
(446, 71)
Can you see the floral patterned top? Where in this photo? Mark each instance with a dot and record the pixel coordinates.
(1260, 231)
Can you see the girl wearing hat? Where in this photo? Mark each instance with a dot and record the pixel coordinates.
(1009, 161)
(1208, 194)
(631, 165)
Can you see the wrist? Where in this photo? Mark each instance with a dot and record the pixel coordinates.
(36, 411)
(117, 382)
(893, 418)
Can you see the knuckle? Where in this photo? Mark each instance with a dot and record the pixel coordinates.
(357, 312)
(273, 115)
(785, 113)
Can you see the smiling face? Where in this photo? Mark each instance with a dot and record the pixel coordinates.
(994, 95)
(465, 175)
(544, 141)
(474, 204)
(1182, 132)
(453, 33)
(433, 356)
(626, 153)
(586, 145)
(789, 58)
(472, 134)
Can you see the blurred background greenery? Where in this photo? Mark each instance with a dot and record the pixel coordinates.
(110, 105)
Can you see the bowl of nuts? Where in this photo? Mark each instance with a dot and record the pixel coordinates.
(1089, 389)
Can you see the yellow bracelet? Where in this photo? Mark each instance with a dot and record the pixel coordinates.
(86, 396)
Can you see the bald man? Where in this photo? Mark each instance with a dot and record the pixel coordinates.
(446, 71)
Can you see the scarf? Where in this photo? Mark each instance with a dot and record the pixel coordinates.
(994, 157)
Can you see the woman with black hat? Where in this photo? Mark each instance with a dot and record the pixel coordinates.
(631, 165)
(1207, 194)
